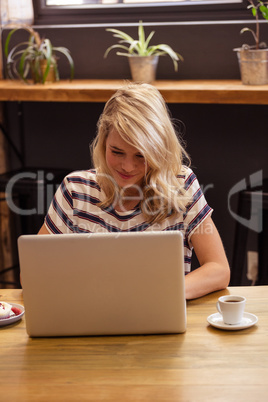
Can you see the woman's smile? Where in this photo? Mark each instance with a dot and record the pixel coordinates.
(125, 176)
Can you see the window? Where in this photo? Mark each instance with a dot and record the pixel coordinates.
(76, 3)
(127, 11)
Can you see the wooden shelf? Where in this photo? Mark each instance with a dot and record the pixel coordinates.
(188, 91)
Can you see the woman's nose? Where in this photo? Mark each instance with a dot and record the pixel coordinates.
(128, 164)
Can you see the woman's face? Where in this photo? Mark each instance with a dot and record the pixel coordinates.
(125, 162)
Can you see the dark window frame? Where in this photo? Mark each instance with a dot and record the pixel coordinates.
(186, 11)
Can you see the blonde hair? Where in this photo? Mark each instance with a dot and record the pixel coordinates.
(139, 114)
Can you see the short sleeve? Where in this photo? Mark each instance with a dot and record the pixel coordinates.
(59, 219)
(197, 210)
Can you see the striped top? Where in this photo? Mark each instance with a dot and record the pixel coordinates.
(75, 209)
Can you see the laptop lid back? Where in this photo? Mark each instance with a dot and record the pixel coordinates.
(103, 284)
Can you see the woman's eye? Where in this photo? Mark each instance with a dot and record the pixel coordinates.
(117, 153)
(140, 156)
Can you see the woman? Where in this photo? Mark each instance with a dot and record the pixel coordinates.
(140, 182)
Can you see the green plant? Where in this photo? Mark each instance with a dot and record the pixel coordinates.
(255, 8)
(141, 46)
(27, 57)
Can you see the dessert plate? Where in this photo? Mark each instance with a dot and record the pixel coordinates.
(248, 320)
(14, 318)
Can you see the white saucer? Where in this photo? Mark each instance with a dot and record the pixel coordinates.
(13, 318)
(248, 320)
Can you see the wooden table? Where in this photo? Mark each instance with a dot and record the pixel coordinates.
(184, 91)
(204, 364)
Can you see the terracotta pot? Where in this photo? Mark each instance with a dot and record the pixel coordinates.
(143, 68)
(253, 66)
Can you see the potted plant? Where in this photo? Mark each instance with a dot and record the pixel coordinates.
(143, 58)
(36, 56)
(253, 60)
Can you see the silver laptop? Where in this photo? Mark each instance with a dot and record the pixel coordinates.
(103, 284)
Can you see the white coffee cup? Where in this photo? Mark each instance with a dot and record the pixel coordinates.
(231, 308)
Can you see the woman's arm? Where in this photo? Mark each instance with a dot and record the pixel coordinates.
(43, 230)
(214, 271)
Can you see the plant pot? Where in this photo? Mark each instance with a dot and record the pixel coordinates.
(143, 68)
(38, 78)
(253, 66)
